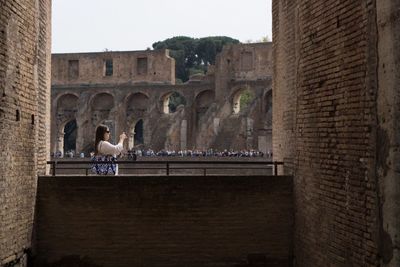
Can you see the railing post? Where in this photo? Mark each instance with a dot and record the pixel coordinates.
(54, 167)
(167, 169)
(275, 168)
(205, 171)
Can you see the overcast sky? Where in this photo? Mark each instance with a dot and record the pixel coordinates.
(120, 25)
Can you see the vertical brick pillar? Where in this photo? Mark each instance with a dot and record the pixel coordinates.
(24, 119)
(388, 137)
(328, 131)
(285, 57)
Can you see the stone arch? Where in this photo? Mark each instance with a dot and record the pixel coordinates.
(171, 101)
(66, 136)
(137, 103)
(69, 100)
(241, 98)
(66, 108)
(136, 135)
(204, 99)
(102, 101)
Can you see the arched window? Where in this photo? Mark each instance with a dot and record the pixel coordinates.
(204, 100)
(137, 102)
(136, 136)
(102, 102)
(67, 103)
(241, 100)
(172, 101)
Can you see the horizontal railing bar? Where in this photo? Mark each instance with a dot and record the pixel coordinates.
(170, 162)
(170, 165)
(212, 168)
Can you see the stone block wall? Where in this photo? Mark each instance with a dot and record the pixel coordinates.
(334, 108)
(113, 67)
(24, 120)
(165, 221)
(81, 92)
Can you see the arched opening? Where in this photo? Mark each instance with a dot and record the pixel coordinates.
(172, 101)
(65, 135)
(70, 131)
(204, 100)
(67, 103)
(138, 137)
(102, 102)
(242, 100)
(137, 102)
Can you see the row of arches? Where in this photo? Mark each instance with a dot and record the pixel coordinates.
(170, 102)
(140, 102)
(138, 118)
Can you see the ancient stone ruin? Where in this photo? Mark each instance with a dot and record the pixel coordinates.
(131, 91)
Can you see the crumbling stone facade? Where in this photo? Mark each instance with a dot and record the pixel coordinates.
(130, 91)
(24, 120)
(335, 103)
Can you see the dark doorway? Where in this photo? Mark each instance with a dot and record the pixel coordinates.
(139, 133)
(70, 131)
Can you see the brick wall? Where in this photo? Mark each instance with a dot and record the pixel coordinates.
(89, 68)
(24, 119)
(164, 221)
(388, 101)
(285, 21)
(326, 59)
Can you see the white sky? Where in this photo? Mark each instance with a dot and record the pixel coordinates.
(118, 25)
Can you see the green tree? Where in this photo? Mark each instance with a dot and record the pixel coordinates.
(208, 47)
(193, 55)
(175, 100)
(245, 99)
(183, 51)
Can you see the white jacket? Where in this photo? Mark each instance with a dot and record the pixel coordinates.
(106, 148)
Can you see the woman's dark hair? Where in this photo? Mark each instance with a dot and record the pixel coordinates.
(100, 131)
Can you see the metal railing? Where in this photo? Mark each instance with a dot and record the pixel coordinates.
(168, 165)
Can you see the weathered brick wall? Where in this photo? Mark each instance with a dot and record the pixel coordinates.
(326, 59)
(388, 157)
(157, 67)
(165, 221)
(285, 50)
(24, 119)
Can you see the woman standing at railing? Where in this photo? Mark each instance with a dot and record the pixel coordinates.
(105, 151)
